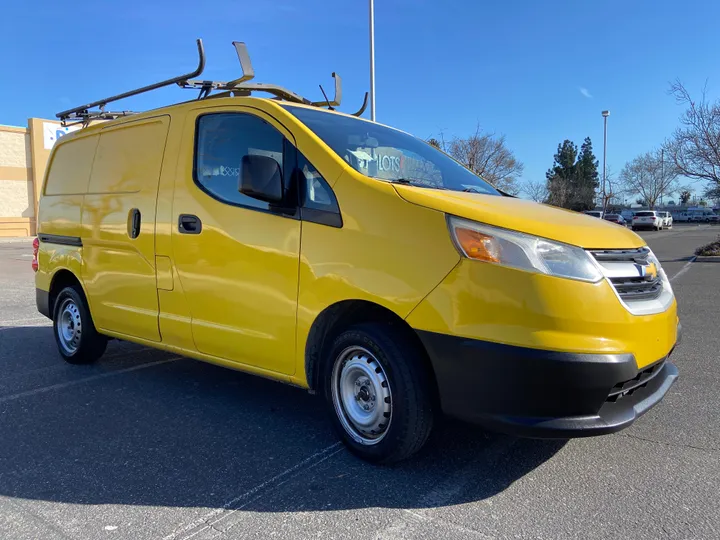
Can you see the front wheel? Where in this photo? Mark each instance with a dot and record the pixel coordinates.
(379, 393)
(75, 335)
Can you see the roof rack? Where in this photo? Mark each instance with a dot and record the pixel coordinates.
(236, 87)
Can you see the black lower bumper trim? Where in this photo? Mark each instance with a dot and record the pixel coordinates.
(42, 299)
(544, 394)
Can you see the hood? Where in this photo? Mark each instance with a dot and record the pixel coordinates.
(525, 216)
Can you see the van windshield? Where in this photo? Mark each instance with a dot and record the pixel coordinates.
(388, 154)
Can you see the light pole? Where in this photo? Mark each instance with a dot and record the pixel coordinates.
(662, 174)
(372, 60)
(605, 117)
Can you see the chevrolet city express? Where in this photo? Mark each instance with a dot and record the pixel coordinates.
(349, 258)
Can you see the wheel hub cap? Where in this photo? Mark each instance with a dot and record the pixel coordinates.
(69, 326)
(361, 395)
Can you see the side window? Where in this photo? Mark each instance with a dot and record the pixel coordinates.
(318, 203)
(222, 140)
(315, 192)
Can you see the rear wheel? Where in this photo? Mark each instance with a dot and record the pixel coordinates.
(379, 393)
(75, 335)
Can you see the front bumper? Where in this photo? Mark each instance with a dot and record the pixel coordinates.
(543, 394)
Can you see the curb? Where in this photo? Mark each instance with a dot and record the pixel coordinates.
(708, 258)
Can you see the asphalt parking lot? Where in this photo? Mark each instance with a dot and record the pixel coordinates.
(145, 444)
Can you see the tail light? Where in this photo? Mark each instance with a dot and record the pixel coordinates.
(36, 247)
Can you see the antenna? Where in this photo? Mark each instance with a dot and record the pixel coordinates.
(338, 94)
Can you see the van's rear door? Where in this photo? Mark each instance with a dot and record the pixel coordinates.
(118, 231)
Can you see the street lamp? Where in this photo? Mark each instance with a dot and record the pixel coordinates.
(372, 60)
(605, 117)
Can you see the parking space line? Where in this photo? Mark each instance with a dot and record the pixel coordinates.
(683, 269)
(230, 507)
(29, 319)
(59, 386)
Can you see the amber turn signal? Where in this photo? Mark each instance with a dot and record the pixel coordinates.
(477, 245)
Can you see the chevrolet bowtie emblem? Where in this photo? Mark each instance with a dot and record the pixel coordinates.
(647, 270)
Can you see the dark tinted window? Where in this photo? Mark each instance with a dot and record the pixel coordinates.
(387, 154)
(222, 140)
(644, 214)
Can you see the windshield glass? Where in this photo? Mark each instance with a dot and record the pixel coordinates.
(388, 154)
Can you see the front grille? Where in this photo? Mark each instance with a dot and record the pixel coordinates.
(627, 388)
(639, 288)
(622, 267)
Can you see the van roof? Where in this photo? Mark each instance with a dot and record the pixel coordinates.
(239, 87)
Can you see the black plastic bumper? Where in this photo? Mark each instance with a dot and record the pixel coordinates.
(42, 300)
(543, 394)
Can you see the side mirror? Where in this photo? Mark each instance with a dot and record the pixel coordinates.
(261, 178)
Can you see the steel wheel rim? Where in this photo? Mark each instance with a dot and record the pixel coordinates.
(69, 326)
(361, 395)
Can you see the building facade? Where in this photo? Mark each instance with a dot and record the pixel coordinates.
(24, 153)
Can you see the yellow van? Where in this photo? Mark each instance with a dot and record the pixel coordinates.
(287, 240)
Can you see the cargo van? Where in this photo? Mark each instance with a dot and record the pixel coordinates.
(283, 238)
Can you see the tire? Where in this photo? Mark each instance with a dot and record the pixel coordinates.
(377, 366)
(76, 338)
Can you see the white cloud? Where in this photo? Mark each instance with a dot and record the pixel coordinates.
(585, 92)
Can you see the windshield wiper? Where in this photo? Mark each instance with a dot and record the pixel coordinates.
(416, 183)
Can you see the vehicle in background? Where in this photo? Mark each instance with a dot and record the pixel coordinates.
(667, 219)
(627, 215)
(616, 218)
(704, 215)
(647, 219)
(682, 217)
(594, 213)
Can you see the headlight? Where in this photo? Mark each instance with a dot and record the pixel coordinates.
(523, 251)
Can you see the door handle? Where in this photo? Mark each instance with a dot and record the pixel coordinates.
(134, 222)
(189, 224)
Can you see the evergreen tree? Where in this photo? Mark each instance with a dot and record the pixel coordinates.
(561, 178)
(586, 179)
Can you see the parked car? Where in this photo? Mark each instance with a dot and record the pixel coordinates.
(647, 219)
(667, 219)
(616, 218)
(280, 238)
(594, 213)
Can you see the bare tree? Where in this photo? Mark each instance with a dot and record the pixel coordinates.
(537, 191)
(488, 156)
(694, 148)
(649, 178)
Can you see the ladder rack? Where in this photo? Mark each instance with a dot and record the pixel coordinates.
(235, 87)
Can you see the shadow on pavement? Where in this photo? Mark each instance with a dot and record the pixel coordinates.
(188, 434)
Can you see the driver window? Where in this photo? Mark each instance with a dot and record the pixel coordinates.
(221, 142)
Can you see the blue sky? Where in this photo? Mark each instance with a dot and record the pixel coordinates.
(539, 72)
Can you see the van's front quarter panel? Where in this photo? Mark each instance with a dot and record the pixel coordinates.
(388, 252)
(539, 355)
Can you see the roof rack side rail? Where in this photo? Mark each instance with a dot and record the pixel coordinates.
(82, 111)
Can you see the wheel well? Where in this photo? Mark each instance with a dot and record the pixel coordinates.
(336, 318)
(62, 279)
